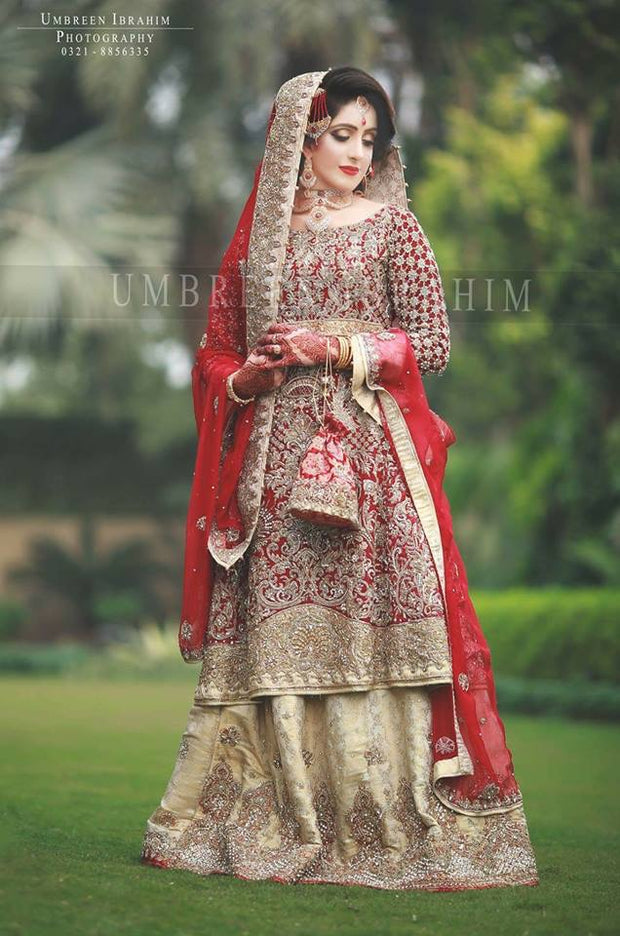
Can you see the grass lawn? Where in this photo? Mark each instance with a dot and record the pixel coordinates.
(85, 763)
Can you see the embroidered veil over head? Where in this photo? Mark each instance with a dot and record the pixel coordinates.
(473, 772)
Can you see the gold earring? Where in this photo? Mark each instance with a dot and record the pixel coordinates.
(308, 178)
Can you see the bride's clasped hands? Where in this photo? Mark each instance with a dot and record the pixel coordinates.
(282, 345)
(286, 344)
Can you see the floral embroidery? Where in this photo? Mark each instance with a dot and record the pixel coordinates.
(201, 523)
(219, 792)
(445, 745)
(365, 818)
(230, 735)
(374, 756)
(489, 792)
(372, 358)
(464, 681)
(257, 806)
(492, 798)
(164, 817)
(186, 630)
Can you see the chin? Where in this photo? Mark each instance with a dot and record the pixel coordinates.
(344, 183)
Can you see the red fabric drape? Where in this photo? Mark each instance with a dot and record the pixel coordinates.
(222, 350)
(493, 782)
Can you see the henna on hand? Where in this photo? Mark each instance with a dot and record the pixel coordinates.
(254, 377)
(287, 345)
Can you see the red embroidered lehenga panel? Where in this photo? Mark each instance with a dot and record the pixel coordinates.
(308, 755)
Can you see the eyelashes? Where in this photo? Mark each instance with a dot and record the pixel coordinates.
(369, 143)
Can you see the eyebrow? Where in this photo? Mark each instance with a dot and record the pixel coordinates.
(353, 127)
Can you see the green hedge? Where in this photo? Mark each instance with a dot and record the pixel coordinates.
(553, 633)
(43, 659)
(574, 699)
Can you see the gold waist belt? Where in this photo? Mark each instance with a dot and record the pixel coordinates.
(338, 326)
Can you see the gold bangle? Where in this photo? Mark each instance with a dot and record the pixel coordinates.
(230, 390)
(342, 351)
(346, 352)
(349, 359)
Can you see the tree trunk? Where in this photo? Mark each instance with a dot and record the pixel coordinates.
(581, 138)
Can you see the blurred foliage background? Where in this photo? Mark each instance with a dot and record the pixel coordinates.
(509, 119)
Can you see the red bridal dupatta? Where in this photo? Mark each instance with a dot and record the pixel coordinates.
(473, 770)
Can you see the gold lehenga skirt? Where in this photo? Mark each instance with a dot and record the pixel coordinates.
(332, 788)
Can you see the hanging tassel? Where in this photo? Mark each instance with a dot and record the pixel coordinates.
(319, 119)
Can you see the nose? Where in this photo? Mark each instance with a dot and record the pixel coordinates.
(357, 151)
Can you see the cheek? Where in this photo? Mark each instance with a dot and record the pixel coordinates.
(329, 152)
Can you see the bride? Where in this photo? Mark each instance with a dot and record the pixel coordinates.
(344, 726)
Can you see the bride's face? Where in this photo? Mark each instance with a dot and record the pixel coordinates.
(347, 142)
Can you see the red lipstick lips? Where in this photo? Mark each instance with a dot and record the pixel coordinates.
(350, 170)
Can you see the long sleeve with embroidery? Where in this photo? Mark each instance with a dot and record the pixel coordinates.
(416, 293)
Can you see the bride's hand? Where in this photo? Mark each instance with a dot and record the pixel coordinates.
(287, 344)
(256, 377)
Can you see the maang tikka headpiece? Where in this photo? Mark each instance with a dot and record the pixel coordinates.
(319, 119)
(362, 105)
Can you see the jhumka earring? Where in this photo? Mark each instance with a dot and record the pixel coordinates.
(368, 175)
(307, 177)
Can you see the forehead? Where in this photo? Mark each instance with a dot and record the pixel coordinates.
(350, 113)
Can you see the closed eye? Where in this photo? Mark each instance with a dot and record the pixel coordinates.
(342, 139)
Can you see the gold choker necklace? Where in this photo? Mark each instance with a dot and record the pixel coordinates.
(316, 203)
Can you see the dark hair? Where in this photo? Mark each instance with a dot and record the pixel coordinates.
(343, 85)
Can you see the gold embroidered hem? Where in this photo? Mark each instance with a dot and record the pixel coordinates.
(314, 649)
(334, 789)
